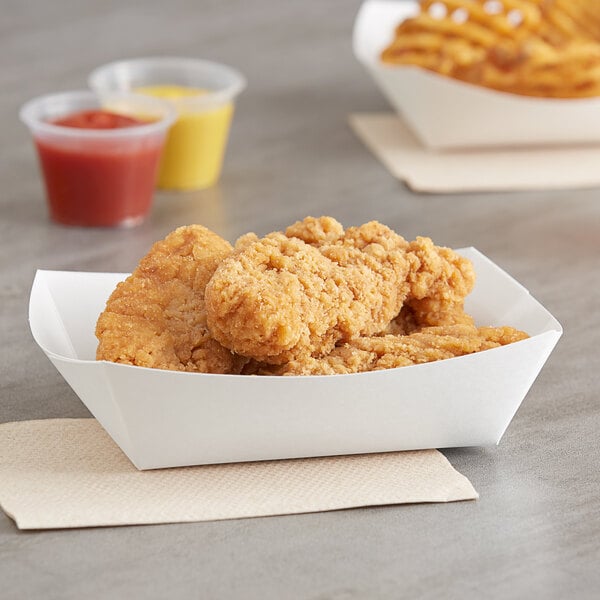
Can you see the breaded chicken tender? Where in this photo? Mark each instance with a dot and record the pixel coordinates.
(438, 314)
(316, 231)
(294, 296)
(438, 272)
(391, 351)
(157, 318)
(439, 278)
(316, 299)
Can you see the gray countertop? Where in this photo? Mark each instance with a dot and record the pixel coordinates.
(535, 531)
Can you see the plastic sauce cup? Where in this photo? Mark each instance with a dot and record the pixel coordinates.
(203, 94)
(98, 177)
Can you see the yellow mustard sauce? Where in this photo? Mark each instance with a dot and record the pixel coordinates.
(195, 147)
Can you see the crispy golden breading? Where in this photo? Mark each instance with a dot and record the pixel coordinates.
(315, 300)
(432, 313)
(156, 317)
(245, 240)
(316, 231)
(391, 351)
(279, 298)
(438, 273)
(439, 278)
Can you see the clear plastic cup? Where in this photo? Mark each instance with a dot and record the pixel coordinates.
(98, 177)
(202, 92)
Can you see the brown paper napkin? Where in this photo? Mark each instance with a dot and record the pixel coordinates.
(506, 169)
(69, 473)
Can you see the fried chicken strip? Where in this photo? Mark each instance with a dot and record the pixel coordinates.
(295, 295)
(432, 313)
(440, 280)
(390, 351)
(157, 317)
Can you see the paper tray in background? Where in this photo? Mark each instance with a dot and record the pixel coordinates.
(446, 113)
(168, 418)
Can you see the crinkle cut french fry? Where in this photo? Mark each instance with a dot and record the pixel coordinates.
(530, 47)
(448, 28)
(580, 17)
(494, 22)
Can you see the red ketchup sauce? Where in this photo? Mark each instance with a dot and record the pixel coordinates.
(97, 119)
(95, 181)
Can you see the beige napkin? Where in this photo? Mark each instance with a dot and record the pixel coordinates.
(69, 473)
(556, 167)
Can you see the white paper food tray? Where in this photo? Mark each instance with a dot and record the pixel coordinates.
(446, 113)
(166, 418)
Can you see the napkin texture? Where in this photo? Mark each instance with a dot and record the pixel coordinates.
(64, 473)
(474, 170)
